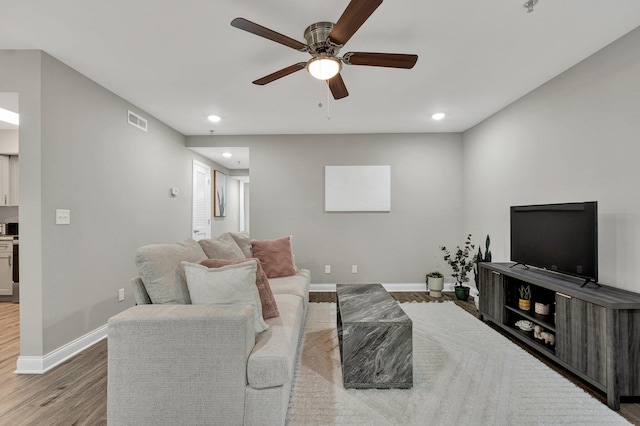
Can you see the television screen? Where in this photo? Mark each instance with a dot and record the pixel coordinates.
(558, 237)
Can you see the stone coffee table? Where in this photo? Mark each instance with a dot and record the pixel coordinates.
(375, 338)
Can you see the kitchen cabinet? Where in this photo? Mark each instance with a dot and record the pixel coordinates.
(4, 180)
(6, 267)
(9, 172)
(13, 180)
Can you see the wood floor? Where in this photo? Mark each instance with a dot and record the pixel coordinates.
(75, 393)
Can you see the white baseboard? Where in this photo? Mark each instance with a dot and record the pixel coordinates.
(387, 286)
(448, 287)
(42, 364)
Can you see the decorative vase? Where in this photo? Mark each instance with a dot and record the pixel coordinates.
(524, 304)
(435, 286)
(542, 308)
(462, 292)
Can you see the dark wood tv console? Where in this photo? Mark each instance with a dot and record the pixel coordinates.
(596, 329)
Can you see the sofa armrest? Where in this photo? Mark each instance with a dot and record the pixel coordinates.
(178, 364)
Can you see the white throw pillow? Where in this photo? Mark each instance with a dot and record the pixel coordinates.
(226, 286)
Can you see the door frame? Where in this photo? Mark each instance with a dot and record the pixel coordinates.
(196, 231)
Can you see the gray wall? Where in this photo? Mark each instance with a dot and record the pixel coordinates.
(8, 141)
(8, 214)
(78, 152)
(20, 72)
(576, 138)
(287, 197)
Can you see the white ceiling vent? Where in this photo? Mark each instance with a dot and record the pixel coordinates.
(135, 120)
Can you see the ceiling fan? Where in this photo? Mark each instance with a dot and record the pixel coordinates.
(324, 41)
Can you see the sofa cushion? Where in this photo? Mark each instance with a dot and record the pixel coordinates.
(243, 241)
(226, 286)
(275, 256)
(297, 284)
(272, 359)
(269, 306)
(161, 272)
(222, 247)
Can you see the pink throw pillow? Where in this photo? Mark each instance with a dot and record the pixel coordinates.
(275, 256)
(269, 307)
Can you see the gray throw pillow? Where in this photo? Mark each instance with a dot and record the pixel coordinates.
(161, 272)
(223, 247)
(243, 240)
(230, 285)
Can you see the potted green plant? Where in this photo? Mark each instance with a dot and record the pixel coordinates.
(476, 270)
(482, 258)
(435, 283)
(462, 262)
(524, 302)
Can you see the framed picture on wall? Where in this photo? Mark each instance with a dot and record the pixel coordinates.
(219, 194)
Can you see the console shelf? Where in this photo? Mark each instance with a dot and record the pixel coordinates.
(529, 340)
(534, 318)
(596, 329)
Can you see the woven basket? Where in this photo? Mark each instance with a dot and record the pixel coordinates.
(541, 308)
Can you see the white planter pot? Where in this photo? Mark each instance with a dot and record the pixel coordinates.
(435, 286)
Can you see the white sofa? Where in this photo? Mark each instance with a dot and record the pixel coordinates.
(179, 363)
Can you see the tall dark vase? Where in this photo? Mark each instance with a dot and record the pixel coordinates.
(462, 292)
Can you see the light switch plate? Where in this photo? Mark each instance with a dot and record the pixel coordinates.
(63, 217)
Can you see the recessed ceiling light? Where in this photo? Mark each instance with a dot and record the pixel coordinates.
(227, 154)
(438, 116)
(214, 118)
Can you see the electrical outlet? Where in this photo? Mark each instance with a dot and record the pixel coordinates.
(327, 269)
(354, 269)
(121, 295)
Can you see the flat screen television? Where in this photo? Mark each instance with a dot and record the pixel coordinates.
(558, 237)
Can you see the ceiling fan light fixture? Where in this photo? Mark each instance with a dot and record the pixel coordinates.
(323, 68)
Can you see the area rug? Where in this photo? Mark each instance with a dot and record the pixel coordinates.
(464, 373)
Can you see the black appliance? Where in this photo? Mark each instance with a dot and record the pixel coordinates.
(12, 229)
(558, 237)
(16, 261)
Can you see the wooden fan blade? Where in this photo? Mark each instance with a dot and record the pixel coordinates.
(279, 74)
(261, 31)
(337, 87)
(356, 13)
(391, 60)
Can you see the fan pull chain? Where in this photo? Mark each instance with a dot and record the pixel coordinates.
(320, 84)
(326, 88)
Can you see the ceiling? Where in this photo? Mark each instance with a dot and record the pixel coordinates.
(239, 156)
(181, 60)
